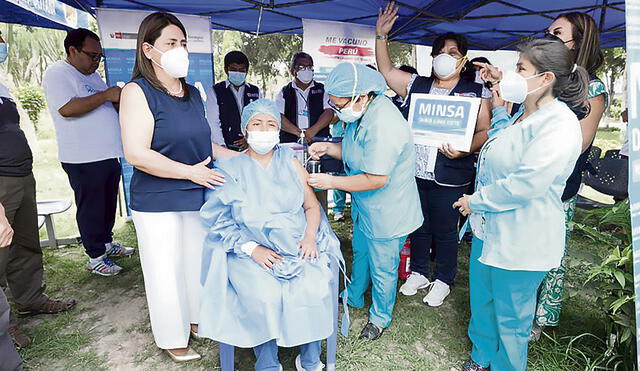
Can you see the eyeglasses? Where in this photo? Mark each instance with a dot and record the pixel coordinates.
(336, 108)
(96, 57)
(302, 67)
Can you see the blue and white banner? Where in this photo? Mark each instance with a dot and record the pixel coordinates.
(633, 72)
(55, 11)
(119, 33)
(439, 119)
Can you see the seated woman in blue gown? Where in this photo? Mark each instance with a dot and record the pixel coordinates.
(266, 274)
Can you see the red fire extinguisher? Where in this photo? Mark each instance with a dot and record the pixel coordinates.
(405, 259)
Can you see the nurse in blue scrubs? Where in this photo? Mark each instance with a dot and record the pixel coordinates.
(378, 156)
(516, 211)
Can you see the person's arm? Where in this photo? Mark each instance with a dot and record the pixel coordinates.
(396, 79)
(222, 151)
(311, 206)
(81, 106)
(323, 121)
(589, 124)
(289, 127)
(137, 125)
(6, 232)
(354, 183)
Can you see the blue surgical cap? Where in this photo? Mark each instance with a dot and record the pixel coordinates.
(351, 79)
(256, 107)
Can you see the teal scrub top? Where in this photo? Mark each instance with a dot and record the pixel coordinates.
(381, 143)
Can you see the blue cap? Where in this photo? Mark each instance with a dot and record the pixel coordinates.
(256, 107)
(348, 80)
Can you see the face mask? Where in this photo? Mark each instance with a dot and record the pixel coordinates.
(261, 142)
(237, 78)
(552, 37)
(306, 75)
(513, 87)
(445, 65)
(4, 52)
(348, 114)
(174, 62)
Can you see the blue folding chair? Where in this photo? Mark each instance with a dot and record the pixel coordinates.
(226, 351)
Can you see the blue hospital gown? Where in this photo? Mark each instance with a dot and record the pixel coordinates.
(243, 304)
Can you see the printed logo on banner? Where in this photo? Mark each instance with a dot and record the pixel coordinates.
(442, 117)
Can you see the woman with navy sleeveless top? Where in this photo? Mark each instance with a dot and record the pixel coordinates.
(167, 139)
(442, 174)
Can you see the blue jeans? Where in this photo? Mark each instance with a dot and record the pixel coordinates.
(267, 356)
(503, 304)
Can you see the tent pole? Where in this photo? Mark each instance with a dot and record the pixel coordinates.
(84, 8)
(603, 11)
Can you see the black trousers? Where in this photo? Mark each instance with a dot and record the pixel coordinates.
(95, 186)
(439, 231)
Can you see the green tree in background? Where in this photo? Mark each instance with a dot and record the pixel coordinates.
(31, 51)
(612, 69)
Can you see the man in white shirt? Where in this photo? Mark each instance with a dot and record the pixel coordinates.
(84, 113)
(303, 103)
(231, 96)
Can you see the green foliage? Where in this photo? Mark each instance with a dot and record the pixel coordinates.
(31, 51)
(615, 108)
(32, 99)
(612, 68)
(614, 279)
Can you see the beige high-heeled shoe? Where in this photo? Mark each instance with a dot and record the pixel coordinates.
(190, 355)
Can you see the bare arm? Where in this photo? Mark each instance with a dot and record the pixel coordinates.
(222, 151)
(137, 125)
(589, 124)
(355, 183)
(81, 106)
(6, 232)
(482, 126)
(311, 205)
(396, 79)
(289, 127)
(319, 149)
(323, 121)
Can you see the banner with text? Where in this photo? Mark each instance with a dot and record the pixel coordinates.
(55, 11)
(119, 33)
(330, 43)
(633, 133)
(438, 119)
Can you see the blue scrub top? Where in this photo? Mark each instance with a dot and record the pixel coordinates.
(381, 143)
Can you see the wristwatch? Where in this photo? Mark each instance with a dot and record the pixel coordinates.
(382, 37)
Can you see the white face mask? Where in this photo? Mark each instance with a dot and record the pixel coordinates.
(513, 87)
(306, 75)
(175, 62)
(261, 142)
(348, 114)
(444, 65)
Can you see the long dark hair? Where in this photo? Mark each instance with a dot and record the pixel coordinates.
(586, 38)
(572, 81)
(149, 31)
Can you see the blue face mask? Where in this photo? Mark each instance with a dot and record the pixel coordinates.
(237, 78)
(4, 52)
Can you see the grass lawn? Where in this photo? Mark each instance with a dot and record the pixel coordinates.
(109, 329)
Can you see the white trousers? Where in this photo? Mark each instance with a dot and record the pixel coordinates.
(170, 248)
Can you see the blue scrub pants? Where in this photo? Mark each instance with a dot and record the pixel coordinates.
(503, 305)
(267, 356)
(374, 261)
(339, 200)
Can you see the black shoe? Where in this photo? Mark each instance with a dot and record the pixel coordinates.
(371, 332)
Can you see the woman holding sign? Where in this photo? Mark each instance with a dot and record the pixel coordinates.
(442, 174)
(516, 212)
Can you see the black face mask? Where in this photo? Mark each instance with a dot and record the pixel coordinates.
(552, 37)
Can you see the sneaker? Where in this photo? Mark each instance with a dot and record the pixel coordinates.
(371, 332)
(471, 365)
(438, 292)
(118, 250)
(414, 282)
(338, 217)
(104, 267)
(299, 367)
